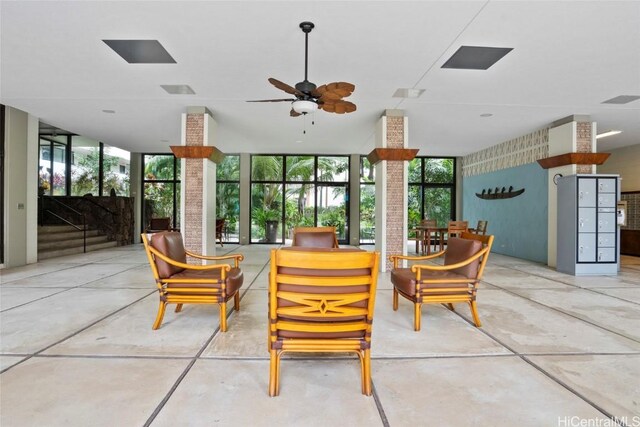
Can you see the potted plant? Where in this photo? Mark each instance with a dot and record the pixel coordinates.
(267, 219)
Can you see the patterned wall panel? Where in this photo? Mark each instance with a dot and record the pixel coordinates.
(516, 152)
(633, 210)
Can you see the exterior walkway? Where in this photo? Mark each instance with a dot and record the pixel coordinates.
(77, 349)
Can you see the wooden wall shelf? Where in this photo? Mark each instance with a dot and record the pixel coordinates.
(574, 159)
(197, 152)
(400, 154)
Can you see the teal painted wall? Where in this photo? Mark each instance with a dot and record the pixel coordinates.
(519, 224)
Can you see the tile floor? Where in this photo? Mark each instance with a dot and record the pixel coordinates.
(77, 349)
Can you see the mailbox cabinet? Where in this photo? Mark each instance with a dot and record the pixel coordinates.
(588, 240)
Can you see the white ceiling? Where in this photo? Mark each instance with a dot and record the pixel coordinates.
(568, 57)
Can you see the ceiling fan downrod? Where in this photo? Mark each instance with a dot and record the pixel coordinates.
(306, 86)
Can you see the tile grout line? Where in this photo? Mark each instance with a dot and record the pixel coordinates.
(566, 313)
(184, 373)
(64, 290)
(543, 371)
(37, 353)
(378, 402)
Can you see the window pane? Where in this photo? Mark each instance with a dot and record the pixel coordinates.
(266, 213)
(228, 207)
(45, 169)
(300, 168)
(438, 205)
(334, 169)
(229, 169)
(438, 171)
(266, 168)
(332, 208)
(85, 166)
(159, 167)
(367, 171)
(414, 204)
(415, 173)
(59, 170)
(158, 201)
(115, 166)
(299, 207)
(367, 213)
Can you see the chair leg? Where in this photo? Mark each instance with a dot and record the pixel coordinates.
(160, 315)
(417, 307)
(223, 316)
(450, 306)
(178, 308)
(395, 299)
(474, 313)
(273, 373)
(367, 372)
(236, 301)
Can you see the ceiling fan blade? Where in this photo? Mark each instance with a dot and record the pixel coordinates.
(273, 100)
(338, 107)
(285, 87)
(335, 90)
(293, 113)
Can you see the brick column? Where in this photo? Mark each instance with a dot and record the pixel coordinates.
(198, 184)
(391, 189)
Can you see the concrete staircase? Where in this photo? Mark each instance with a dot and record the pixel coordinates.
(60, 240)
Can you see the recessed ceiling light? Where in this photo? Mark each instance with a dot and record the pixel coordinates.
(622, 99)
(608, 133)
(109, 111)
(486, 115)
(476, 57)
(141, 51)
(408, 93)
(178, 89)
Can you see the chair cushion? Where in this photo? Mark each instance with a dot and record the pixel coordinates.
(234, 280)
(319, 239)
(459, 250)
(405, 280)
(170, 245)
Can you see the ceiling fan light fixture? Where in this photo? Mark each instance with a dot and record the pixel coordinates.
(302, 106)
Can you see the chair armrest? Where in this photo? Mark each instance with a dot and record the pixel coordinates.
(416, 267)
(236, 257)
(223, 267)
(395, 258)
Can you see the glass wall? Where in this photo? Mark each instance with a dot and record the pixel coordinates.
(291, 191)
(228, 196)
(367, 202)
(72, 165)
(431, 190)
(160, 188)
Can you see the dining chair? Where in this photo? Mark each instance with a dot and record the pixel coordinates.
(181, 283)
(315, 237)
(430, 228)
(481, 228)
(456, 228)
(321, 300)
(220, 222)
(456, 281)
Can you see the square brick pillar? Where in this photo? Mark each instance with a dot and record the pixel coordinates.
(198, 184)
(391, 188)
(572, 134)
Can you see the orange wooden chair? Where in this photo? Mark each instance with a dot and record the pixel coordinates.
(481, 228)
(181, 283)
(455, 281)
(315, 237)
(321, 300)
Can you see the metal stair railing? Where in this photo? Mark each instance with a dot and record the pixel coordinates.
(44, 210)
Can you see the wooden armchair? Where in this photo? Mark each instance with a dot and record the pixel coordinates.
(181, 283)
(315, 237)
(321, 300)
(455, 281)
(220, 230)
(159, 224)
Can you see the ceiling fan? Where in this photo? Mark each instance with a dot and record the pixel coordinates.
(308, 96)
